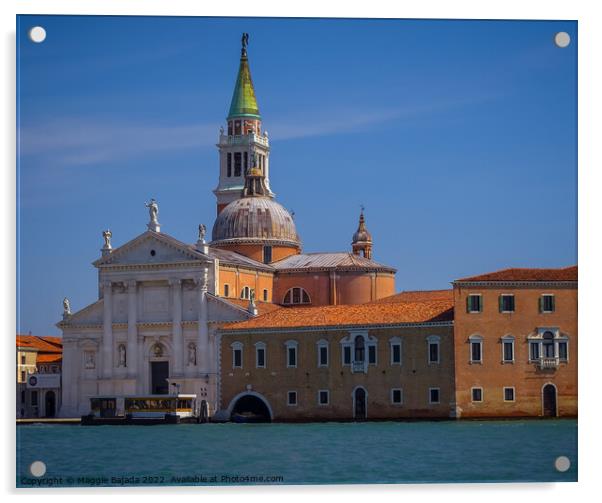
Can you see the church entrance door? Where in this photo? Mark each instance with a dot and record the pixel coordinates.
(159, 375)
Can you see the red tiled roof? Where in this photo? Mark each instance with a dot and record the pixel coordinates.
(44, 344)
(262, 307)
(418, 296)
(525, 274)
(350, 315)
(49, 358)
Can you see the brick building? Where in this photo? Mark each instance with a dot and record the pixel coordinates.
(515, 337)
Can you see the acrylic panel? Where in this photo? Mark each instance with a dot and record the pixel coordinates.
(295, 251)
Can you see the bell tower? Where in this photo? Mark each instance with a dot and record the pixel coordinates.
(244, 145)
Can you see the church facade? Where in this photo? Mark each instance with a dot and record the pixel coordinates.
(154, 327)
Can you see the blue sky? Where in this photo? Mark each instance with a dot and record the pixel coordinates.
(459, 137)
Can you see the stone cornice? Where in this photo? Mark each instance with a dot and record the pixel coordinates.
(150, 267)
(513, 284)
(331, 328)
(380, 269)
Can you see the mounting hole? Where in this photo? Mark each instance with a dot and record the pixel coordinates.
(37, 468)
(562, 39)
(153, 253)
(37, 34)
(562, 463)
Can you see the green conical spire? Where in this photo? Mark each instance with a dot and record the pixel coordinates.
(244, 103)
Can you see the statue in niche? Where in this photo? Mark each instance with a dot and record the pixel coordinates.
(90, 362)
(122, 355)
(107, 235)
(191, 354)
(153, 211)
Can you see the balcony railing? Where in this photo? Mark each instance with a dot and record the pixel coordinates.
(358, 367)
(243, 139)
(548, 363)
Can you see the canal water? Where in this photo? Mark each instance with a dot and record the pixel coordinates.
(312, 453)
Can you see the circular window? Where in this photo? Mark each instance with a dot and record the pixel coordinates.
(153, 253)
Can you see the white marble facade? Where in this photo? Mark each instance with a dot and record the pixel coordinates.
(156, 303)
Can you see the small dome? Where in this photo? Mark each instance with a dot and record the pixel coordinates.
(362, 235)
(255, 219)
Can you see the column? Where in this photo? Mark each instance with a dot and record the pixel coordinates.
(203, 330)
(176, 318)
(107, 331)
(132, 352)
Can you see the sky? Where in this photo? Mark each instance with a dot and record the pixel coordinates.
(458, 137)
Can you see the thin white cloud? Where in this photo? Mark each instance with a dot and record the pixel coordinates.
(83, 142)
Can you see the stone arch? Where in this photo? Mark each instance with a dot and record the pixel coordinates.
(254, 394)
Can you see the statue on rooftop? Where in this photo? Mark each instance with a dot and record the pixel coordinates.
(245, 41)
(153, 210)
(202, 232)
(107, 235)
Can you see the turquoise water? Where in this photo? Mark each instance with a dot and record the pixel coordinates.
(314, 453)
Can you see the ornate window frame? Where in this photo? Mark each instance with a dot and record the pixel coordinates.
(395, 342)
(323, 344)
(294, 345)
(433, 340)
(260, 346)
(237, 346)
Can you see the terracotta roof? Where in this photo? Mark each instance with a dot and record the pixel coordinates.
(262, 307)
(418, 296)
(49, 358)
(45, 344)
(349, 315)
(525, 274)
(335, 260)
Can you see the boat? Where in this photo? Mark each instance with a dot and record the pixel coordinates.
(145, 410)
(247, 417)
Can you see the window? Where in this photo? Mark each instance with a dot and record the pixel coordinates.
(237, 164)
(265, 295)
(23, 359)
(477, 394)
(547, 303)
(230, 128)
(508, 349)
(236, 127)
(476, 349)
(359, 349)
(245, 293)
(346, 355)
(291, 353)
(372, 354)
(267, 254)
(506, 303)
(563, 352)
(23, 376)
(296, 295)
(237, 355)
(474, 303)
(396, 396)
(508, 394)
(291, 398)
(434, 395)
(226, 290)
(323, 397)
(229, 165)
(395, 343)
(534, 350)
(260, 355)
(34, 398)
(433, 348)
(322, 353)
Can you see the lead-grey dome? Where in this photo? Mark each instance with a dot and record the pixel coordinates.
(255, 219)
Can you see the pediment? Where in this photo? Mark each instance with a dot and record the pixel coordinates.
(151, 248)
(92, 314)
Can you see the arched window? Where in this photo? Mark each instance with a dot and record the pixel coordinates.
(548, 345)
(296, 295)
(359, 348)
(245, 293)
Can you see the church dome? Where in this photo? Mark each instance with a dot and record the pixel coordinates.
(253, 220)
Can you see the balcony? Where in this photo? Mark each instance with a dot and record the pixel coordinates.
(546, 363)
(358, 367)
(243, 140)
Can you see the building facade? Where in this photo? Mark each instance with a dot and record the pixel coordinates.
(375, 361)
(515, 337)
(39, 364)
